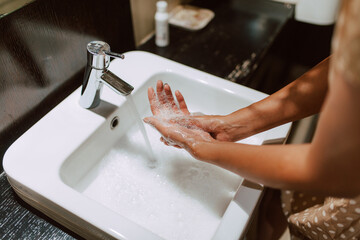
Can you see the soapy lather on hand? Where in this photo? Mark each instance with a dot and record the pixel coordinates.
(174, 121)
(169, 116)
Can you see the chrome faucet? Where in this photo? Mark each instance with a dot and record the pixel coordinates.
(97, 74)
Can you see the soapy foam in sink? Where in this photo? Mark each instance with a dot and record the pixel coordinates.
(181, 198)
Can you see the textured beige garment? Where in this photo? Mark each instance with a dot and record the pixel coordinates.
(313, 217)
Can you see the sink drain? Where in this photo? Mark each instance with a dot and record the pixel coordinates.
(114, 122)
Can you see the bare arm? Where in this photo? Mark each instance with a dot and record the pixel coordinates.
(329, 165)
(266, 164)
(299, 99)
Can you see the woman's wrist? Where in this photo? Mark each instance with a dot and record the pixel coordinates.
(241, 124)
(232, 127)
(203, 151)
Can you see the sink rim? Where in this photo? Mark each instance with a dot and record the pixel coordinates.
(26, 182)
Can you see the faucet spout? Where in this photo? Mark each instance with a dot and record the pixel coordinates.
(116, 83)
(97, 74)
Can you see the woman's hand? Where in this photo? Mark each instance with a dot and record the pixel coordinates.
(163, 106)
(173, 121)
(162, 103)
(174, 134)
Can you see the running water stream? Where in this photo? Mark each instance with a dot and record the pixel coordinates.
(137, 116)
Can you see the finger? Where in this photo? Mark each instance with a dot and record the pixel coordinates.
(164, 141)
(159, 125)
(182, 104)
(154, 104)
(167, 143)
(174, 134)
(160, 92)
(148, 120)
(170, 99)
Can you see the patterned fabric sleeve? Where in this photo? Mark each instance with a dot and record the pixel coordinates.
(317, 218)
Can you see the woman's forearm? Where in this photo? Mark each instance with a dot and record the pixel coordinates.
(299, 99)
(294, 166)
(278, 166)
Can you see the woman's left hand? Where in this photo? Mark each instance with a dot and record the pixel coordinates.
(174, 134)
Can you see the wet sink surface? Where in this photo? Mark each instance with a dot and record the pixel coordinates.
(93, 176)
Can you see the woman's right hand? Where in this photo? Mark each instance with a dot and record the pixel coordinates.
(219, 127)
(222, 128)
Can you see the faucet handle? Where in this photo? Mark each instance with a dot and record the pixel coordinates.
(102, 48)
(98, 53)
(114, 55)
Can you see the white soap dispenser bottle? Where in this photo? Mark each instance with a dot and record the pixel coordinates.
(161, 24)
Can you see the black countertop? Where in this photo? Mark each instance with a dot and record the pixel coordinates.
(232, 46)
(233, 43)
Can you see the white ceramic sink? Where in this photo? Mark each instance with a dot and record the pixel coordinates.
(88, 169)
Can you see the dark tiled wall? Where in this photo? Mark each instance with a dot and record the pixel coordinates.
(43, 54)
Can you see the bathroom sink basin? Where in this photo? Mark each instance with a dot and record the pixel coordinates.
(90, 169)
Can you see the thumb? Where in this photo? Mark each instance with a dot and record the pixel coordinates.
(157, 124)
(147, 120)
(153, 121)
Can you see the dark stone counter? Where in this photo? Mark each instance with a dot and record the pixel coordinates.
(232, 46)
